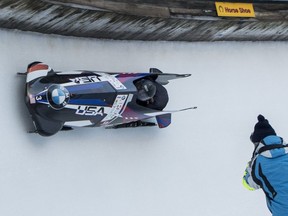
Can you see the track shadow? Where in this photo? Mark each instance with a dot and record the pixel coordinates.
(24, 116)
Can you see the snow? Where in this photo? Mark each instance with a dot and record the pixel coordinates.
(193, 167)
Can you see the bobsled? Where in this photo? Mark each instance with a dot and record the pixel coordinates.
(63, 100)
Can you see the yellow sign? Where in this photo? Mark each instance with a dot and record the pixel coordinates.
(234, 9)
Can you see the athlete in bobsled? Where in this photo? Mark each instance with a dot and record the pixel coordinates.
(268, 168)
(151, 94)
(63, 100)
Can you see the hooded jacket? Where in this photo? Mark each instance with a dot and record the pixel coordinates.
(268, 169)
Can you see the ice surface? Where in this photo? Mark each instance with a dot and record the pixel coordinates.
(193, 167)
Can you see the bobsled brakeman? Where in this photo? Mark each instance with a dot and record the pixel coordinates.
(64, 100)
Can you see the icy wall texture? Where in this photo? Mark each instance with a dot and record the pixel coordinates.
(196, 21)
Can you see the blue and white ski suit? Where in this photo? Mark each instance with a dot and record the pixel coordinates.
(268, 170)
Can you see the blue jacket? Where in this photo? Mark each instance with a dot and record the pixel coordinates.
(268, 170)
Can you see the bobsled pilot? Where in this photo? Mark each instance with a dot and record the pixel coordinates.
(268, 168)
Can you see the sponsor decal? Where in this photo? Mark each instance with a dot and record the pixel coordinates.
(117, 109)
(90, 110)
(85, 79)
(235, 9)
(58, 96)
(112, 80)
(101, 78)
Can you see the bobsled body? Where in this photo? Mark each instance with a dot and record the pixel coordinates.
(63, 100)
